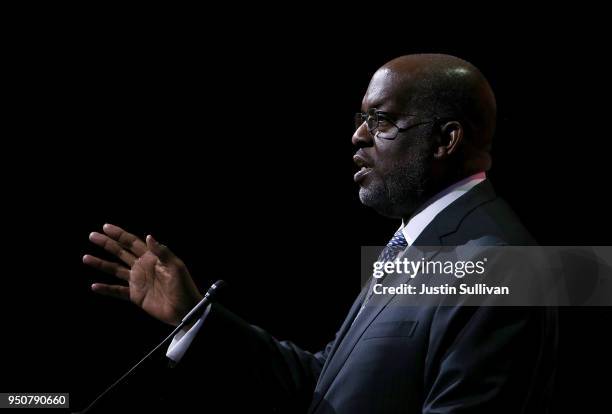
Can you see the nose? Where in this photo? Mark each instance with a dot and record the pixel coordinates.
(362, 137)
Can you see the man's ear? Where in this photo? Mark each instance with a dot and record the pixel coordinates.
(451, 134)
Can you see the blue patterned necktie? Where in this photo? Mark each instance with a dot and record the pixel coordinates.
(396, 245)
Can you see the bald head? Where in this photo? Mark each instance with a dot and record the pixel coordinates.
(444, 86)
(430, 122)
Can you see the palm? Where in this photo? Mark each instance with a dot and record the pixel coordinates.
(152, 287)
(158, 281)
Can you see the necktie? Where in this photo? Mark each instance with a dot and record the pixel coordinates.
(396, 245)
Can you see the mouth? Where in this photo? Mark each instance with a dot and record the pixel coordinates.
(364, 168)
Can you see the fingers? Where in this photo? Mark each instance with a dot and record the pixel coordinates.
(115, 291)
(113, 247)
(107, 267)
(162, 252)
(125, 239)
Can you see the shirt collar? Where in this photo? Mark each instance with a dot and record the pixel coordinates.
(436, 204)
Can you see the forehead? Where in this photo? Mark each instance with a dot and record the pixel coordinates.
(389, 91)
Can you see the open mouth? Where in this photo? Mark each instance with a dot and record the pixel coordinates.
(360, 175)
(364, 167)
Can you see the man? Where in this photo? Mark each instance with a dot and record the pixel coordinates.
(423, 139)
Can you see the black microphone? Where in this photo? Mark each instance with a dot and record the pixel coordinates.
(199, 309)
(194, 313)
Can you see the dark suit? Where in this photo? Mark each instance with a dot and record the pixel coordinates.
(396, 359)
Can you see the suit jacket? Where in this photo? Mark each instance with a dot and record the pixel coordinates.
(392, 359)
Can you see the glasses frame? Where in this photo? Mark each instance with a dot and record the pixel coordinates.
(363, 117)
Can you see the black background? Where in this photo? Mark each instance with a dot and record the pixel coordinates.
(233, 148)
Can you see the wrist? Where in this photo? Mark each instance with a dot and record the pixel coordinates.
(187, 305)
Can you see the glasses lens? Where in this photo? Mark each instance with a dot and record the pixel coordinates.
(372, 120)
(378, 126)
(387, 132)
(359, 120)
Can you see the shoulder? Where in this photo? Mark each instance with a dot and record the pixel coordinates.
(491, 222)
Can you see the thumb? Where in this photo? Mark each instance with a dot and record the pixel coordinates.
(162, 252)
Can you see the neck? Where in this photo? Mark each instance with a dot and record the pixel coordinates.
(439, 190)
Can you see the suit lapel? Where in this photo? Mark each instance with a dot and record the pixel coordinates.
(353, 331)
(344, 328)
(445, 223)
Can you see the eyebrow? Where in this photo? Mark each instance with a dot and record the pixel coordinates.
(376, 105)
(395, 114)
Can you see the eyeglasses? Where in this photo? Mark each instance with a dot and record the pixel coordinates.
(381, 126)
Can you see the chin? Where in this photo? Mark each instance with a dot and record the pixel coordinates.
(377, 201)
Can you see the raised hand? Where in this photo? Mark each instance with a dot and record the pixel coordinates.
(157, 280)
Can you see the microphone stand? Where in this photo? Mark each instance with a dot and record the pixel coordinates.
(197, 311)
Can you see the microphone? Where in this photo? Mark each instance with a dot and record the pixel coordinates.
(194, 313)
(199, 309)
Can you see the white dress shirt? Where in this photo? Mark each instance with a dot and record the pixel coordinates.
(436, 204)
(183, 339)
(411, 231)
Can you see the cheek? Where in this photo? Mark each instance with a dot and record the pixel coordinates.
(394, 155)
